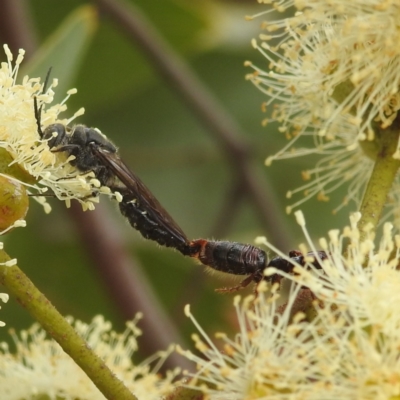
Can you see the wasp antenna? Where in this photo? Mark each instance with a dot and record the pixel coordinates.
(46, 80)
(37, 116)
(38, 110)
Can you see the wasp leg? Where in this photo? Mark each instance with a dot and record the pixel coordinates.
(66, 147)
(242, 285)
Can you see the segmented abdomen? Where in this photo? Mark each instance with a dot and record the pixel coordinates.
(149, 227)
(230, 257)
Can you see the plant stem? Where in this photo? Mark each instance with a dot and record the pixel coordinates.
(381, 180)
(19, 285)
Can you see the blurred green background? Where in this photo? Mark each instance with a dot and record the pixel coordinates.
(165, 143)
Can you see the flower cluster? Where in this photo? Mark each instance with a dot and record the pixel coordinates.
(41, 368)
(333, 79)
(349, 350)
(22, 144)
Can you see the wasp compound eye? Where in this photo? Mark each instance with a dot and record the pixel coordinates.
(56, 135)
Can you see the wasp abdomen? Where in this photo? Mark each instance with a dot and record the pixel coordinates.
(230, 257)
(150, 227)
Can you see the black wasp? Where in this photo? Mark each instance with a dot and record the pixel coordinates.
(93, 152)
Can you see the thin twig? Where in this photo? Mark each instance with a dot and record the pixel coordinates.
(16, 28)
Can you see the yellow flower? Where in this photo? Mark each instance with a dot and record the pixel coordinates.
(349, 350)
(333, 79)
(271, 356)
(40, 368)
(23, 145)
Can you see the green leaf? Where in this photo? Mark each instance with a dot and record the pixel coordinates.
(64, 49)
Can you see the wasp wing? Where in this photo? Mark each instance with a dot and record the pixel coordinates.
(140, 192)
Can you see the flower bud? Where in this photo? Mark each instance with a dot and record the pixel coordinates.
(14, 201)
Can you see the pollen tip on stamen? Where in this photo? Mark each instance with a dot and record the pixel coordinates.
(387, 228)
(118, 197)
(264, 107)
(262, 287)
(323, 243)
(334, 235)
(355, 218)
(186, 310)
(275, 289)
(303, 248)
(289, 194)
(4, 297)
(80, 112)
(179, 349)
(260, 240)
(300, 218)
(8, 52)
(20, 57)
(299, 316)
(397, 240)
(396, 154)
(268, 161)
(21, 223)
(95, 182)
(306, 175)
(352, 146)
(321, 196)
(283, 129)
(288, 210)
(270, 271)
(11, 263)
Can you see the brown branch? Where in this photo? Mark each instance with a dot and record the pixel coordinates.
(211, 113)
(16, 28)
